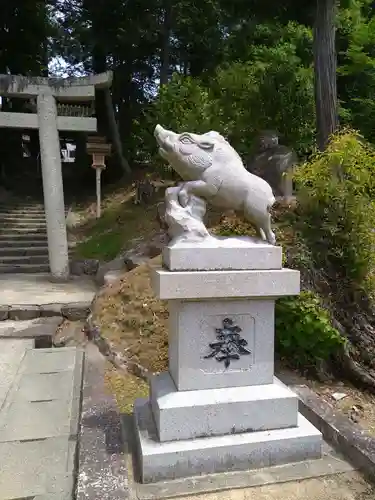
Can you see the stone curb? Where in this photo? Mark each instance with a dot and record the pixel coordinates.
(77, 394)
(109, 351)
(74, 311)
(353, 441)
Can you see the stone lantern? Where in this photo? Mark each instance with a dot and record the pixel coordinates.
(99, 149)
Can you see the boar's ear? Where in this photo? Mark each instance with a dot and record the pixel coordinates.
(215, 135)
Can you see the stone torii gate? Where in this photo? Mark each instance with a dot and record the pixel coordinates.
(48, 92)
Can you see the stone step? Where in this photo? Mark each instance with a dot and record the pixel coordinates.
(21, 218)
(21, 210)
(24, 268)
(25, 250)
(22, 226)
(23, 259)
(11, 239)
(23, 230)
(17, 225)
(22, 215)
(39, 426)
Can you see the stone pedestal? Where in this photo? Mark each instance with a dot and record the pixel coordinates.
(219, 407)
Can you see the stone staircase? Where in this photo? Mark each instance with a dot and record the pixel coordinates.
(40, 399)
(23, 239)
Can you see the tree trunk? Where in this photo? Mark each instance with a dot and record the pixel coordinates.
(325, 64)
(115, 134)
(165, 49)
(107, 125)
(99, 63)
(124, 90)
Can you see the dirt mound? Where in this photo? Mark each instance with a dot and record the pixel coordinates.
(133, 320)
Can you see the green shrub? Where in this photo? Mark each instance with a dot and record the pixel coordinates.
(304, 333)
(336, 215)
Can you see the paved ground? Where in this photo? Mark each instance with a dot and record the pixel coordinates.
(106, 469)
(39, 417)
(348, 486)
(39, 404)
(38, 289)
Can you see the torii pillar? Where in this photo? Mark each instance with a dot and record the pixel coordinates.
(53, 188)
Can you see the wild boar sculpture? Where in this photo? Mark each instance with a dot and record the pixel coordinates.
(213, 171)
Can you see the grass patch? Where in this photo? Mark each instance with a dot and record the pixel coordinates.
(101, 246)
(121, 222)
(126, 389)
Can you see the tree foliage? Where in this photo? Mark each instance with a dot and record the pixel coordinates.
(272, 88)
(228, 48)
(241, 65)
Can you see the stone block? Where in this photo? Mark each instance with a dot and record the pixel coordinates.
(51, 360)
(192, 328)
(115, 265)
(251, 450)
(24, 312)
(183, 415)
(45, 386)
(133, 260)
(76, 311)
(4, 313)
(174, 285)
(37, 467)
(24, 420)
(218, 253)
(83, 267)
(50, 310)
(112, 276)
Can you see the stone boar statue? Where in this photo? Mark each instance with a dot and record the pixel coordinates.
(214, 171)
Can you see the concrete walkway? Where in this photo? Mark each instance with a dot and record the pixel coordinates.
(39, 419)
(38, 289)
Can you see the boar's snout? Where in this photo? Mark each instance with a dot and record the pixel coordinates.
(165, 138)
(159, 130)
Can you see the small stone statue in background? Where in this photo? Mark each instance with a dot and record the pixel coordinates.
(213, 172)
(274, 163)
(144, 191)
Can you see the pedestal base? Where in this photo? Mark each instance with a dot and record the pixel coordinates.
(181, 415)
(252, 450)
(217, 253)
